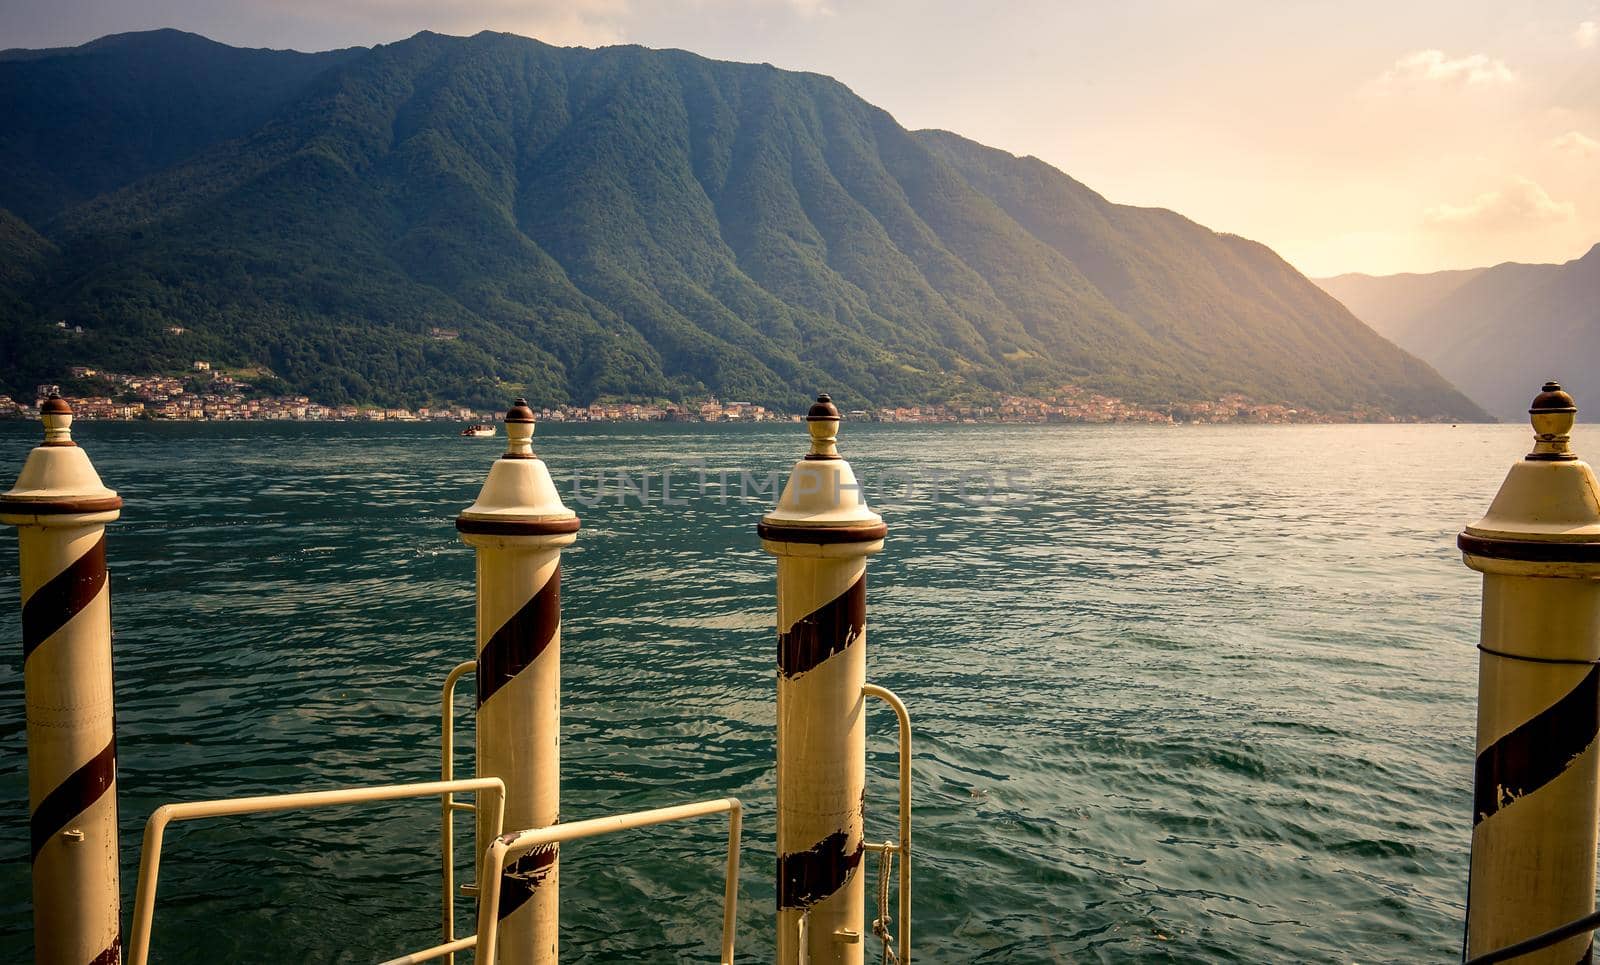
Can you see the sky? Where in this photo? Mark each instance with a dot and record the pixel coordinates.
(1349, 136)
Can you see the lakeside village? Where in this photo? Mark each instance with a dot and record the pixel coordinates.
(205, 395)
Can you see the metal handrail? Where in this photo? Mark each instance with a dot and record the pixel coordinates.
(438, 951)
(448, 805)
(1560, 933)
(155, 828)
(509, 846)
(903, 846)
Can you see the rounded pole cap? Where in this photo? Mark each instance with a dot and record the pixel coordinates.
(519, 498)
(1552, 398)
(58, 481)
(822, 410)
(519, 411)
(1547, 512)
(822, 502)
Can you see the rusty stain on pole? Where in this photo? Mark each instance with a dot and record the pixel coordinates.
(518, 527)
(822, 533)
(61, 508)
(1534, 784)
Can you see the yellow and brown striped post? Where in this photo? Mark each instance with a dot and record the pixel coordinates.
(822, 533)
(1534, 786)
(61, 509)
(518, 527)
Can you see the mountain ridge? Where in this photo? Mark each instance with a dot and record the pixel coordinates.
(625, 221)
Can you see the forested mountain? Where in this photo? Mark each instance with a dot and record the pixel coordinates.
(83, 121)
(451, 218)
(1497, 333)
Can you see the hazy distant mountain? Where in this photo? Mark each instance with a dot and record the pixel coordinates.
(1389, 303)
(1497, 333)
(462, 218)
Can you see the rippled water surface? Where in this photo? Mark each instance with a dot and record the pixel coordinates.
(1179, 694)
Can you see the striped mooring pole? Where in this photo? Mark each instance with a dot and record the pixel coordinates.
(61, 509)
(822, 533)
(1534, 784)
(518, 527)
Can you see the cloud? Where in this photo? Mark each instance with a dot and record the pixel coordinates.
(811, 8)
(1432, 66)
(1576, 142)
(1520, 204)
(1587, 34)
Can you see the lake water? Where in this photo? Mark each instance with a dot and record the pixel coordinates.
(1195, 694)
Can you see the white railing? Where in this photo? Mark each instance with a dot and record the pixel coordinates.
(448, 805)
(144, 902)
(487, 886)
(902, 847)
(508, 847)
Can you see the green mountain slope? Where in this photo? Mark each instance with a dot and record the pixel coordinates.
(1241, 316)
(456, 218)
(1495, 332)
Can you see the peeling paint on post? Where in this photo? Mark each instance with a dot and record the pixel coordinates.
(822, 533)
(61, 509)
(1534, 784)
(518, 527)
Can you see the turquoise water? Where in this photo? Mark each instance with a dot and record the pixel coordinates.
(1193, 694)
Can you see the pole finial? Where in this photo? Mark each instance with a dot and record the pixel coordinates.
(58, 485)
(822, 503)
(1552, 413)
(822, 421)
(519, 430)
(57, 418)
(519, 499)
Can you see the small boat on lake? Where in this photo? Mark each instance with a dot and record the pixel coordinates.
(477, 430)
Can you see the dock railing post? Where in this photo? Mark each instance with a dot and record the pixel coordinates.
(518, 527)
(822, 533)
(61, 509)
(1534, 783)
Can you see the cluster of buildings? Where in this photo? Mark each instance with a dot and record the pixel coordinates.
(1068, 404)
(204, 396)
(227, 407)
(1239, 409)
(1079, 405)
(207, 395)
(708, 411)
